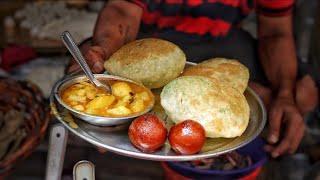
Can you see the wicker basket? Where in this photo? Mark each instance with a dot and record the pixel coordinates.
(24, 97)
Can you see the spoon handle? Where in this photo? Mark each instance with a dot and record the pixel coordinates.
(76, 53)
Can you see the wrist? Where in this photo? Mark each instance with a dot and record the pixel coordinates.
(285, 93)
(286, 88)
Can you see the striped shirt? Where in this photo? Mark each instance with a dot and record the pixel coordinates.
(213, 17)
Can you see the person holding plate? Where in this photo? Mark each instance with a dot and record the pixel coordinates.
(206, 29)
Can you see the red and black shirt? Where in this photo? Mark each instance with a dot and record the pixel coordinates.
(214, 17)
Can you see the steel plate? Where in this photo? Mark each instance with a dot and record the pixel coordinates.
(116, 139)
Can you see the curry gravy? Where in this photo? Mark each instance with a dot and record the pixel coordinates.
(126, 99)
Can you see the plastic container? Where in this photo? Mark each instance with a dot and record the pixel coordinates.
(253, 149)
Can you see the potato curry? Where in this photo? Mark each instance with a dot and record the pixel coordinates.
(126, 99)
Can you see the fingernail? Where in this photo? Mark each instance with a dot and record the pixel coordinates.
(97, 67)
(275, 155)
(273, 139)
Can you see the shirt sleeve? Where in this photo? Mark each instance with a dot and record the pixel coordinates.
(140, 3)
(274, 8)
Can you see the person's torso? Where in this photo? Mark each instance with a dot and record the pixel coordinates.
(214, 17)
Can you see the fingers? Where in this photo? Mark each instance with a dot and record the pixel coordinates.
(95, 58)
(268, 148)
(306, 94)
(72, 67)
(275, 116)
(293, 135)
(297, 138)
(264, 92)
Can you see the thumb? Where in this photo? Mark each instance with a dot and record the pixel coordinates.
(98, 67)
(95, 58)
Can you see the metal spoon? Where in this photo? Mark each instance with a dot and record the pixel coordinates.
(76, 53)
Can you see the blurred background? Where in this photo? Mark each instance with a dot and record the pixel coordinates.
(30, 49)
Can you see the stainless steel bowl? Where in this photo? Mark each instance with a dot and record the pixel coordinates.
(92, 119)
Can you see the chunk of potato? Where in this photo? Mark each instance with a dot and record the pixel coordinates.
(100, 94)
(100, 102)
(82, 99)
(119, 111)
(86, 84)
(124, 101)
(78, 85)
(81, 92)
(76, 98)
(92, 111)
(121, 89)
(73, 103)
(73, 97)
(91, 94)
(143, 96)
(137, 105)
(89, 88)
(78, 107)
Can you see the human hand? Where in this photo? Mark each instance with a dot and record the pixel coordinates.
(95, 57)
(284, 114)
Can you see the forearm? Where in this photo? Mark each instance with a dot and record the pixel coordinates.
(278, 58)
(117, 24)
(277, 53)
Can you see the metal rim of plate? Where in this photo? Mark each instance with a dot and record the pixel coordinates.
(134, 153)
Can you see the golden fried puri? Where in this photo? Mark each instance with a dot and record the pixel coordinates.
(153, 62)
(227, 71)
(221, 110)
